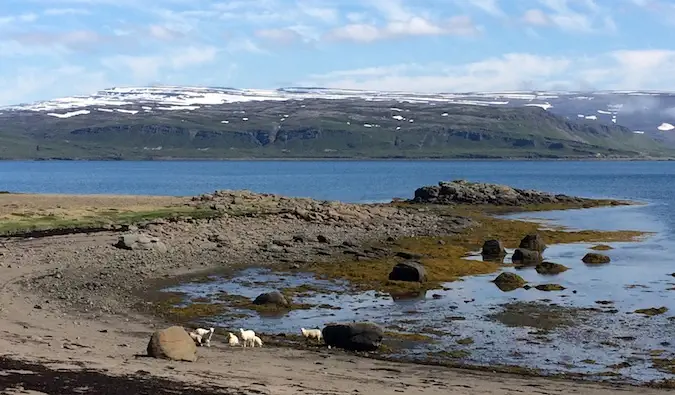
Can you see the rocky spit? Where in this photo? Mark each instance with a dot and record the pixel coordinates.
(102, 272)
(465, 192)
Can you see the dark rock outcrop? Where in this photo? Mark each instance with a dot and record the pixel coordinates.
(525, 257)
(272, 298)
(533, 242)
(550, 268)
(408, 271)
(363, 336)
(509, 281)
(465, 192)
(594, 258)
(493, 250)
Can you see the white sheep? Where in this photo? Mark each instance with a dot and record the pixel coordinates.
(197, 338)
(232, 339)
(311, 333)
(256, 341)
(205, 336)
(247, 336)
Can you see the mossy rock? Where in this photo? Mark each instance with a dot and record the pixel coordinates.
(550, 268)
(525, 257)
(550, 287)
(508, 281)
(533, 242)
(465, 342)
(652, 311)
(593, 258)
(602, 247)
(493, 250)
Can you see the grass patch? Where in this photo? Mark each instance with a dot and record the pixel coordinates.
(664, 365)
(445, 262)
(414, 337)
(29, 222)
(242, 302)
(652, 311)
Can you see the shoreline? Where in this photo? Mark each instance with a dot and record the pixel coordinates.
(365, 159)
(82, 262)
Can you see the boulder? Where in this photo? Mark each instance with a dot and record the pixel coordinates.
(533, 242)
(272, 298)
(172, 343)
(140, 242)
(363, 336)
(509, 281)
(493, 249)
(550, 287)
(526, 257)
(550, 268)
(408, 271)
(595, 258)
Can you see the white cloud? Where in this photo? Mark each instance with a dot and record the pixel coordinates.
(282, 36)
(579, 16)
(516, 71)
(415, 26)
(490, 6)
(536, 17)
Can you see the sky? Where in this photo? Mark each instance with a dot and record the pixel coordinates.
(56, 48)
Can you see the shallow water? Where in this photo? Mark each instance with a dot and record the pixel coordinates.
(638, 277)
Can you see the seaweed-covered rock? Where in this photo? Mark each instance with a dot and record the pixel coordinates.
(550, 287)
(533, 242)
(272, 298)
(408, 271)
(550, 268)
(172, 343)
(526, 257)
(362, 336)
(509, 281)
(594, 258)
(493, 249)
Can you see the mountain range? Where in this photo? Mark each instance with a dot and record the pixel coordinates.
(219, 123)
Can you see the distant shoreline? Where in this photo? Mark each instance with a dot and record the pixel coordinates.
(669, 159)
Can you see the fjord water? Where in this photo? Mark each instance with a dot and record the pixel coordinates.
(637, 278)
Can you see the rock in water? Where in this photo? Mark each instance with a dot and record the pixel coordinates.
(595, 258)
(272, 298)
(509, 281)
(408, 271)
(493, 249)
(140, 242)
(550, 268)
(525, 257)
(363, 336)
(533, 242)
(173, 343)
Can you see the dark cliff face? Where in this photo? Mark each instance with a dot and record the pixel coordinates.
(317, 128)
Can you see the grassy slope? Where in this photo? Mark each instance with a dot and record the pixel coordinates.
(318, 128)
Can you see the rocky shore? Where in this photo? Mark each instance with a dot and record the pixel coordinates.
(77, 296)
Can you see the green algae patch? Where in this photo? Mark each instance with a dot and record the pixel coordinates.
(652, 311)
(465, 342)
(244, 303)
(602, 247)
(194, 311)
(444, 258)
(413, 337)
(664, 365)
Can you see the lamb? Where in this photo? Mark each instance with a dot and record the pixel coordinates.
(257, 341)
(196, 337)
(203, 333)
(232, 339)
(311, 333)
(247, 336)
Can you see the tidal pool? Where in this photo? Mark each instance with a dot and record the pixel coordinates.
(556, 332)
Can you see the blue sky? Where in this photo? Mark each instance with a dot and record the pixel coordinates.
(53, 48)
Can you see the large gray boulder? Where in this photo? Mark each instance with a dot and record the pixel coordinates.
(272, 298)
(362, 336)
(533, 242)
(408, 271)
(140, 242)
(524, 257)
(493, 250)
(172, 343)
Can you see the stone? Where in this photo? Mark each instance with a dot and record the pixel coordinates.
(594, 258)
(550, 268)
(362, 336)
(172, 343)
(272, 298)
(526, 257)
(508, 281)
(550, 287)
(408, 271)
(493, 249)
(533, 242)
(140, 242)
(322, 239)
